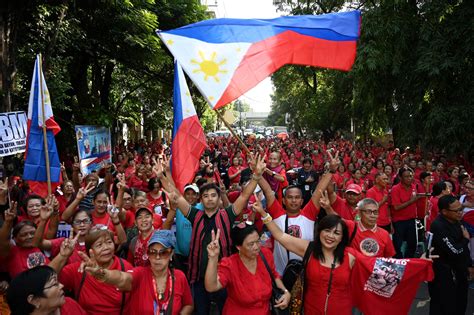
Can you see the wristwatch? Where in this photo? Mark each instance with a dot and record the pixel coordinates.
(273, 173)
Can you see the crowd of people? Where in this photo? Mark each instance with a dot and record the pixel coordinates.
(350, 218)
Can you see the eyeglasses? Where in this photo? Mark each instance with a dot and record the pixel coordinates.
(372, 212)
(56, 284)
(456, 210)
(79, 222)
(161, 254)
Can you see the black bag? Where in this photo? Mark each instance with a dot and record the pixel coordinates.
(293, 267)
(276, 292)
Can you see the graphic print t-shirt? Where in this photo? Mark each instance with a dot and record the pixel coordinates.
(386, 285)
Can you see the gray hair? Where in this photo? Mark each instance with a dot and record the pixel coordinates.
(365, 202)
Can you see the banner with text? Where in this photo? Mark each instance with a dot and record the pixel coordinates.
(94, 147)
(13, 131)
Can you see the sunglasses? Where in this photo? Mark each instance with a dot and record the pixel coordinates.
(160, 254)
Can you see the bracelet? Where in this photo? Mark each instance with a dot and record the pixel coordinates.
(256, 177)
(116, 223)
(273, 173)
(267, 219)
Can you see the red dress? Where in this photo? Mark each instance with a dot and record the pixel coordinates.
(247, 293)
(317, 279)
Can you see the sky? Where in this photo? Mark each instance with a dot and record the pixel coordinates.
(259, 97)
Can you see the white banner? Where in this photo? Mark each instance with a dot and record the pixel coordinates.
(13, 130)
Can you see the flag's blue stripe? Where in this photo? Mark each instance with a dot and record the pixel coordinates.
(342, 26)
(177, 106)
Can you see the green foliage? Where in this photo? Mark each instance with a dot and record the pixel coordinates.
(413, 74)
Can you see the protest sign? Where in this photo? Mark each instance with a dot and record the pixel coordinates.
(94, 148)
(13, 131)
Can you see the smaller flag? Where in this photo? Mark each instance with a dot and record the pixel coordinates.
(35, 161)
(189, 140)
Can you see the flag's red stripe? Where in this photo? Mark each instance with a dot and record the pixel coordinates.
(265, 57)
(188, 144)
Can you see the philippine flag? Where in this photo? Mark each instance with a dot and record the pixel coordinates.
(35, 161)
(227, 57)
(189, 140)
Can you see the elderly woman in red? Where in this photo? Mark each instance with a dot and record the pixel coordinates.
(155, 289)
(244, 274)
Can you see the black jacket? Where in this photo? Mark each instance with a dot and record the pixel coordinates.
(450, 244)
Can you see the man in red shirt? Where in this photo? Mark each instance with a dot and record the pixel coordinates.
(404, 212)
(379, 193)
(346, 208)
(370, 239)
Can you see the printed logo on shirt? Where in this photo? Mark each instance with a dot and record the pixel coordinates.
(35, 259)
(295, 231)
(386, 276)
(369, 247)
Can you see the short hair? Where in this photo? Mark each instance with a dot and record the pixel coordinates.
(423, 175)
(100, 192)
(367, 201)
(138, 193)
(238, 234)
(209, 186)
(378, 174)
(29, 282)
(438, 188)
(445, 201)
(403, 170)
(291, 187)
(21, 225)
(307, 160)
(32, 197)
(95, 234)
(201, 181)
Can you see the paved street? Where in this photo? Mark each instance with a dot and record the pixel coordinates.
(421, 304)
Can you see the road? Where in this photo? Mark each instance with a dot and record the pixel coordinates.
(421, 304)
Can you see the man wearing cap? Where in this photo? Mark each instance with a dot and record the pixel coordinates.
(138, 245)
(204, 222)
(345, 207)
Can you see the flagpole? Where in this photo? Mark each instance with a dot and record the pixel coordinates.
(232, 130)
(45, 139)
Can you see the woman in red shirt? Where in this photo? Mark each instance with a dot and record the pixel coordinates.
(38, 291)
(243, 274)
(154, 289)
(235, 170)
(67, 188)
(157, 201)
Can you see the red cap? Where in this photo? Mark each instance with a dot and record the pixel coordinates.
(356, 189)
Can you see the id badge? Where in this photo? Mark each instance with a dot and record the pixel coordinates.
(306, 187)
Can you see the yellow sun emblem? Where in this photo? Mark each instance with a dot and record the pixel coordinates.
(209, 67)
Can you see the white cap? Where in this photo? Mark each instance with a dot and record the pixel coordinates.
(193, 187)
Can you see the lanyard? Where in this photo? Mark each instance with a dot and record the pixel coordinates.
(159, 307)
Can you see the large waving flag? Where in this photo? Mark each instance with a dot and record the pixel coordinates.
(227, 57)
(189, 140)
(35, 163)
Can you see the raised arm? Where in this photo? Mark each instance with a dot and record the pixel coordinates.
(65, 251)
(54, 219)
(46, 212)
(81, 194)
(242, 200)
(119, 279)
(211, 279)
(6, 228)
(267, 191)
(293, 244)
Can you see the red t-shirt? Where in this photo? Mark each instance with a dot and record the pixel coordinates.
(386, 285)
(137, 255)
(400, 194)
(433, 211)
(233, 170)
(20, 259)
(344, 209)
(130, 220)
(142, 296)
(71, 307)
(96, 297)
(384, 214)
(56, 247)
(247, 293)
(373, 243)
(317, 280)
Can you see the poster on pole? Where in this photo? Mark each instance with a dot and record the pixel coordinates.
(13, 131)
(93, 146)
